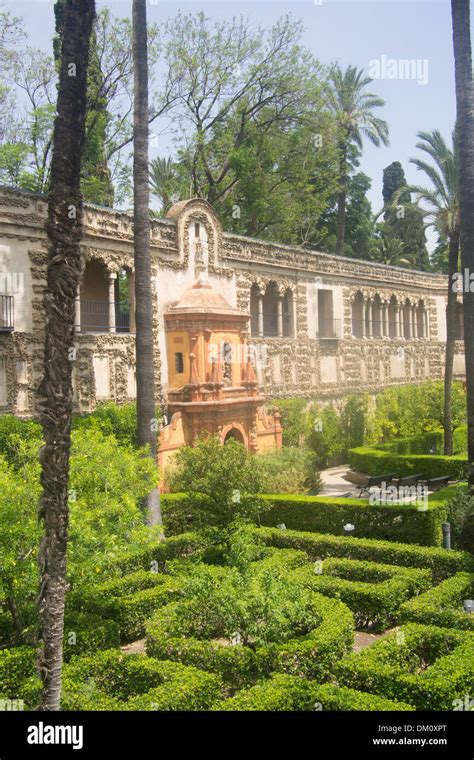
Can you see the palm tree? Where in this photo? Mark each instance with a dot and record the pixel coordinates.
(353, 108)
(144, 341)
(442, 212)
(163, 181)
(389, 250)
(64, 270)
(465, 129)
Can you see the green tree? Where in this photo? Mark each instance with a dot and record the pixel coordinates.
(405, 221)
(390, 250)
(222, 481)
(353, 107)
(442, 212)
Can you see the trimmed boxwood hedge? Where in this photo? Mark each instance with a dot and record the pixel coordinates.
(159, 552)
(401, 456)
(129, 600)
(290, 693)
(373, 591)
(426, 666)
(443, 605)
(394, 522)
(312, 655)
(441, 562)
(113, 680)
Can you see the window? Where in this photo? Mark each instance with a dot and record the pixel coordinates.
(179, 363)
(197, 230)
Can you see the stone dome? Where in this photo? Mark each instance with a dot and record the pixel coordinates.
(202, 299)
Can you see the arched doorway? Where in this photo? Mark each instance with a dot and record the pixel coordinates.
(234, 435)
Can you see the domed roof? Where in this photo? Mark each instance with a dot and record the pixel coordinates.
(202, 299)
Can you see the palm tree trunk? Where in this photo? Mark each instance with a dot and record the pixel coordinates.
(64, 270)
(341, 203)
(146, 404)
(465, 127)
(451, 308)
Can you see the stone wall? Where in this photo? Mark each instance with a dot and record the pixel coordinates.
(189, 243)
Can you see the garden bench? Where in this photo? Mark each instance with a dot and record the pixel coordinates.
(434, 484)
(375, 480)
(409, 480)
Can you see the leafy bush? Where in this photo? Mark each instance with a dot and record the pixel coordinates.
(111, 419)
(443, 605)
(221, 482)
(289, 693)
(86, 633)
(293, 419)
(426, 666)
(289, 470)
(13, 431)
(244, 623)
(441, 562)
(326, 514)
(374, 592)
(324, 435)
(408, 410)
(460, 508)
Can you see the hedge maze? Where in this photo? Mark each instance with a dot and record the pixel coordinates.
(331, 586)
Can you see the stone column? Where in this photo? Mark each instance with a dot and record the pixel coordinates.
(260, 315)
(131, 302)
(414, 323)
(364, 332)
(280, 316)
(369, 320)
(401, 323)
(77, 321)
(111, 277)
(385, 331)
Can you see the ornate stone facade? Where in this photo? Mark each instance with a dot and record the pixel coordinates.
(321, 326)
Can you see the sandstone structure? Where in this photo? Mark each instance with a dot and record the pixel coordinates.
(317, 325)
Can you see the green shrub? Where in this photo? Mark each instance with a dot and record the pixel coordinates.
(111, 419)
(443, 604)
(154, 555)
(290, 693)
(460, 508)
(13, 430)
(325, 514)
(373, 591)
(90, 633)
(460, 440)
(425, 666)
(293, 419)
(112, 680)
(380, 460)
(129, 601)
(311, 655)
(289, 470)
(16, 665)
(325, 435)
(441, 562)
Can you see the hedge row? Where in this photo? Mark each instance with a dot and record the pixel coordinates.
(112, 680)
(312, 655)
(426, 666)
(382, 459)
(443, 605)
(373, 591)
(290, 693)
(128, 601)
(325, 514)
(441, 562)
(395, 522)
(154, 556)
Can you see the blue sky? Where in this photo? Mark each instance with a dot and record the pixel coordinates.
(351, 31)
